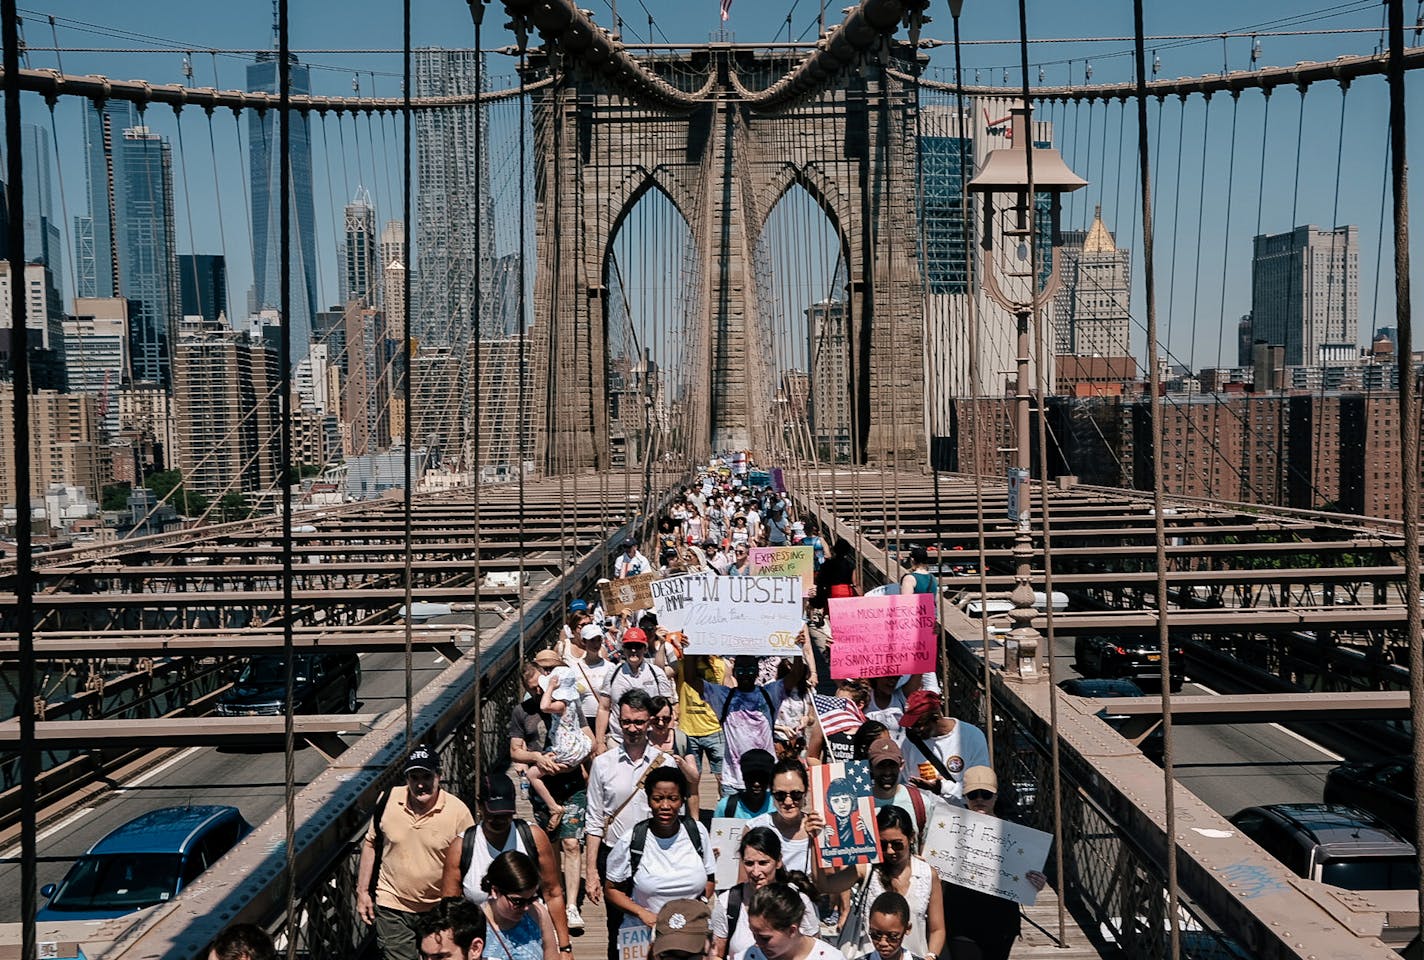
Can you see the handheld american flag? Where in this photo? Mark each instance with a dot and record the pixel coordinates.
(837, 714)
(726, 10)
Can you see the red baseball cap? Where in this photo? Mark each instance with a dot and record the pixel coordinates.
(634, 635)
(921, 703)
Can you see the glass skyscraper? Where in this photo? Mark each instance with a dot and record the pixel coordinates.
(264, 150)
(132, 253)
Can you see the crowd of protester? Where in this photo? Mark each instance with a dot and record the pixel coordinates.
(620, 726)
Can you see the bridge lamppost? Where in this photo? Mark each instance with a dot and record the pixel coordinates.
(1013, 278)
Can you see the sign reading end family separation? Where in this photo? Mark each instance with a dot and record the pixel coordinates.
(760, 616)
(985, 853)
(882, 636)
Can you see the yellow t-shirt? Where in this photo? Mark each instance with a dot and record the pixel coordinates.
(414, 854)
(695, 717)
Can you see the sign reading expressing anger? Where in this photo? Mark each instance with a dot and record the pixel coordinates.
(731, 615)
(784, 562)
(882, 636)
(627, 595)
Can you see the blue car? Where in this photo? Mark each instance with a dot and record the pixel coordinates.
(147, 861)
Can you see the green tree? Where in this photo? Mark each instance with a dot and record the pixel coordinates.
(167, 482)
(116, 496)
(233, 506)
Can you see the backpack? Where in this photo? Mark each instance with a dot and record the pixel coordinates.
(727, 707)
(640, 840)
(467, 849)
(380, 843)
(734, 909)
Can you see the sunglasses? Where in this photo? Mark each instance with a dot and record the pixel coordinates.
(523, 903)
(634, 648)
(662, 721)
(795, 796)
(887, 936)
(979, 795)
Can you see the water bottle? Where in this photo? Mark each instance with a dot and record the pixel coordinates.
(524, 786)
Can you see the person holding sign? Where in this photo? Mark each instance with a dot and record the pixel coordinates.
(975, 918)
(666, 857)
(761, 860)
(747, 714)
(789, 782)
(899, 871)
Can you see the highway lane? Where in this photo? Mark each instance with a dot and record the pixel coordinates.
(248, 779)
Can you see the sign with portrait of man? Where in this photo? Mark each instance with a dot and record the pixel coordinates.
(841, 792)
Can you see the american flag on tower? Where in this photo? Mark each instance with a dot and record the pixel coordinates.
(726, 10)
(837, 714)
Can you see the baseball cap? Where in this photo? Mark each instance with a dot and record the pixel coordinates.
(634, 635)
(577, 606)
(591, 631)
(920, 704)
(683, 925)
(630, 542)
(883, 750)
(980, 778)
(548, 658)
(497, 793)
(422, 758)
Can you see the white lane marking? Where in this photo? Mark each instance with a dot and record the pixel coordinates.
(150, 774)
(83, 812)
(50, 831)
(439, 660)
(1290, 733)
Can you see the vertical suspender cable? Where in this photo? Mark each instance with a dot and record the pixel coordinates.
(1408, 400)
(1158, 521)
(24, 578)
(408, 502)
(284, 401)
(523, 399)
(477, 13)
(1040, 375)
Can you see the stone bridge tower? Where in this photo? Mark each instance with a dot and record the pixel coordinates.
(725, 145)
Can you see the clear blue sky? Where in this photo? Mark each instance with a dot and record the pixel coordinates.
(363, 24)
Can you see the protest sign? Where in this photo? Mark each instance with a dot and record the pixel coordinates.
(672, 596)
(760, 616)
(726, 836)
(840, 792)
(882, 636)
(627, 595)
(985, 853)
(778, 479)
(635, 939)
(784, 562)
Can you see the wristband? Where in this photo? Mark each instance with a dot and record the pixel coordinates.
(567, 948)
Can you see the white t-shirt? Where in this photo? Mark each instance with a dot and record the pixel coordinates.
(482, 855)
(741, 938)
(652, 680)
(963, 747)
(890, 716)
(588, 694)
(821, 951)
(795, 854)
(669, 870)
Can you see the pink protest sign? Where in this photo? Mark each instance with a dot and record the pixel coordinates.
(882, 636)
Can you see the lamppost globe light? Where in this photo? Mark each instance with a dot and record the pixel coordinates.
(1016, 286)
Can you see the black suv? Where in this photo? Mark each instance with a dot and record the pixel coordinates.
(325, 683)
(1134, 658)
(1333, 843)
(1153, 744)
(1385, 789)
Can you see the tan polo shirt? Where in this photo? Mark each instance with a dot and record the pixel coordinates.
(414, 854)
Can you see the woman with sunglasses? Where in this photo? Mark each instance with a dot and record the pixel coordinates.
(788, 816)
(899, 871)
(741, 561)
(666, 857)
(973, 918)
(761, 862)
(519, 924)
(664, 735)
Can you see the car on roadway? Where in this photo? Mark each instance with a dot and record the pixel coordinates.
(1153, 744)
(1333, 843)
(325, 683)
(145, 862)
(1384, 788)
(1133, 658)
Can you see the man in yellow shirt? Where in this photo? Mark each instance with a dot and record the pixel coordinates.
(696, 718)
(403, 856)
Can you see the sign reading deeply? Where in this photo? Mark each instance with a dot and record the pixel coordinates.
(985, 853)
(754, 615)
(784, 562)
(882, 636)
(627, 595)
